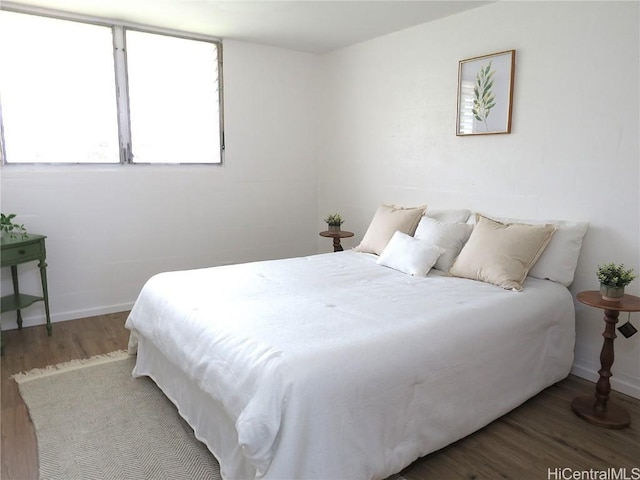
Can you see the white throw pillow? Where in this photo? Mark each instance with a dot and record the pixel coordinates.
(387, 220)
(559, 260)
(501, 253)
(409, 255)
(451, 216)
(449, 236)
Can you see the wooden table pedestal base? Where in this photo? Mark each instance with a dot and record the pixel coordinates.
(597, 409)
(615, 416)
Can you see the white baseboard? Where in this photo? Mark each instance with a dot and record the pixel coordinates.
(619, 382)
(9, 318)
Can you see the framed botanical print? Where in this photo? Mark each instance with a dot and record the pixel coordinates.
(485, 94)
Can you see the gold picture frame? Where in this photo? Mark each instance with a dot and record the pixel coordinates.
(485, 94)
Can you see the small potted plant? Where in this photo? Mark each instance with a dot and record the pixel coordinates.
(334, 221)
(7, 227)
(613, 278)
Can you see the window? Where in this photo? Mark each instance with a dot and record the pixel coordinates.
(58, 96)
(173, 95)
(77, 92)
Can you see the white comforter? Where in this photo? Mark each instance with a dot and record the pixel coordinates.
(333, 367)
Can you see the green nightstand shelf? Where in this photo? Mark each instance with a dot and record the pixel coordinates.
(13, 252)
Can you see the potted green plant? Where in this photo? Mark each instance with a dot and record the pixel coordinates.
(7, 227)
(334, 221)
(613, 278)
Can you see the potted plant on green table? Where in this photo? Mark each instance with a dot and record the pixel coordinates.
(7, 227)
(613, 278)
(334, 221)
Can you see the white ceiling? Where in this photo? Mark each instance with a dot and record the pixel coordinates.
(304, 25)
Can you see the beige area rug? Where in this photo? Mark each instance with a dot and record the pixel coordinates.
(93, 420)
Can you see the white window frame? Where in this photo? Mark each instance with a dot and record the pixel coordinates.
(120, 66)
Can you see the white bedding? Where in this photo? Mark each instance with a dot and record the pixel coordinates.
(334, 367)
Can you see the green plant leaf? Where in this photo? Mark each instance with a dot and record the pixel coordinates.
(484, 98)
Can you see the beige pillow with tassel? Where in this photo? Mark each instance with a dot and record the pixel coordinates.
(501, 253)
(388, 220)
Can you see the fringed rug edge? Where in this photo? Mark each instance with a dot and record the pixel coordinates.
(69, 366)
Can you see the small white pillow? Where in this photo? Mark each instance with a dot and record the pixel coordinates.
(387, 220)
(409, 255)
(449, 236)
(501, 253)
(451, 216)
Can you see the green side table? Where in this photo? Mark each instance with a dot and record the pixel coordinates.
(13, 252)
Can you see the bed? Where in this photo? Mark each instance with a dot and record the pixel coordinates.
(333, 366)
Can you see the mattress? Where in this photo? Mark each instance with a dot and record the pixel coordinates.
(334, 367)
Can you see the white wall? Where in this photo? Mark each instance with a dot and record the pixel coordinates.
(110, 228)
(389, 135)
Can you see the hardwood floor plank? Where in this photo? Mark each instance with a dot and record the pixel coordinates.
(17, 441)
(541, 434)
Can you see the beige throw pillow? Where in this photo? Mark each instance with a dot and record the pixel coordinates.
(501, 253)
(388, 220)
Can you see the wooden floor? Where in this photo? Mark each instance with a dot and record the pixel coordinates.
(529, 443)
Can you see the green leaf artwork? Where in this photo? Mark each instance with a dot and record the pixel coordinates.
(483, 97)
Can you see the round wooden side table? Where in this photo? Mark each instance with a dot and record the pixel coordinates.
(600, 411)
(336, 235)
